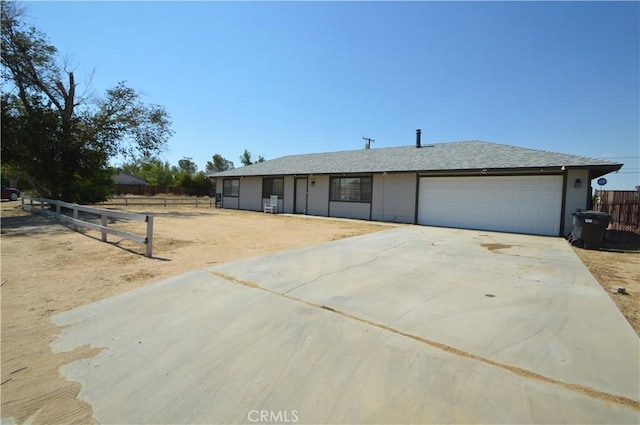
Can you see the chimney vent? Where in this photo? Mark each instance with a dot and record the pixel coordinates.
(418, 132)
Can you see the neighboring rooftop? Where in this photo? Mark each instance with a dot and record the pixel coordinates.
(122, 177)
(459, 156)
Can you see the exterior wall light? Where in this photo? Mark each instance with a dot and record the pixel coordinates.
(577, 184)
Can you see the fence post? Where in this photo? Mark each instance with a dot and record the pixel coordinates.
(75, 216)
(165, 202)
(104, 224)
(57, 210)
(149, 242)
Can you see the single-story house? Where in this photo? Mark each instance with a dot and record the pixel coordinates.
(471, 184)
(121, 177)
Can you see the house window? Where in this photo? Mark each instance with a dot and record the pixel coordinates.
(231, 187)
(273, 186)
(354, 189)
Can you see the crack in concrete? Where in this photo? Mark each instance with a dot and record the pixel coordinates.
(376, 257)
(525, 373)
(329, 274)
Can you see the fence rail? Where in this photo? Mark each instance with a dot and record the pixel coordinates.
(150, 190)
(147, 239)
(624, 207)
(154, 200)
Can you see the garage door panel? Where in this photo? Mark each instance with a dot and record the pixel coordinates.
(519, 204)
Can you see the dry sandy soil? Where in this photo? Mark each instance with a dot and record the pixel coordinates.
(47, 269)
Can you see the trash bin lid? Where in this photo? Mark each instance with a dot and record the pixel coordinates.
(591, 214)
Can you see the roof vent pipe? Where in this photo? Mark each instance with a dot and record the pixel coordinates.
(418, 132)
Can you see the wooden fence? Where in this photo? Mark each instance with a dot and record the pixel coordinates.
(624, 207)
(158, 201)
(150, 190)
(45, 204)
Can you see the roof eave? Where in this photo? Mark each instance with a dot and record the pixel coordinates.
(596, 171)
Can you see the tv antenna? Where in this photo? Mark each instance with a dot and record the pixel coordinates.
(368, 141)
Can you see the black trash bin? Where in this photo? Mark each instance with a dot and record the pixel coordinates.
(588, 228)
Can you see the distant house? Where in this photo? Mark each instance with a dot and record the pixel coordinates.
(120, 177)
(472, 184)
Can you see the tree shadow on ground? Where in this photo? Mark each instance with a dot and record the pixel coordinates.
(38, 225)
(30, 225)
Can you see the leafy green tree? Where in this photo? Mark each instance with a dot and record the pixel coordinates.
(158, 172)
(132, 167)
(152, 169)
(218, 163)
(202, 183)
(187, 166)
(184, 172)
(54, 137)
(246, 158)
(184, 180)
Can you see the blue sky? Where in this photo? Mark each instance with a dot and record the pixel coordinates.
(281, 78)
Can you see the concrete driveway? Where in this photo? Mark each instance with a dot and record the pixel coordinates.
(409, 325)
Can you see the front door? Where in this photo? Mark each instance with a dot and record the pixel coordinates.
(301, 196)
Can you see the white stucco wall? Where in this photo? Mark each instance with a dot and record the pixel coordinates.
(318, 200)
(394, 197)
(359, 210)
(575, 197)
(251, 193)
(230, 202)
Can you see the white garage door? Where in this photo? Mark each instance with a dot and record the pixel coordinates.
(517, 204)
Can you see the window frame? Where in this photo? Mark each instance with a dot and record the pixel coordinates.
(333, 197)
(266, 194)
(225, 190)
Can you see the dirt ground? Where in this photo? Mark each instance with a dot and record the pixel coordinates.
(47, 268)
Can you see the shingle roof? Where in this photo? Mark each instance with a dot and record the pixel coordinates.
(470, 155)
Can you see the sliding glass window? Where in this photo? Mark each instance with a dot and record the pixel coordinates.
(351, 189)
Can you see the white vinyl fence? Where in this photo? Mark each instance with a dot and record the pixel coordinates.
(28, 204)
